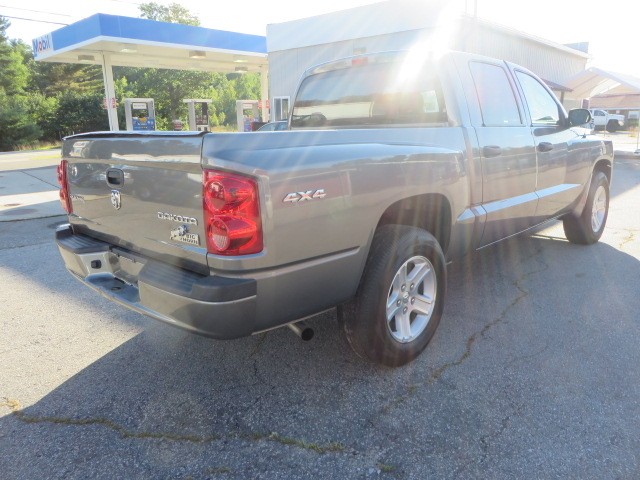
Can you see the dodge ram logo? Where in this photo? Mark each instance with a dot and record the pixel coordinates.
(299, 197)
(115, 199)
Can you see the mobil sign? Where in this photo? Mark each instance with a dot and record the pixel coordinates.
(42, 45)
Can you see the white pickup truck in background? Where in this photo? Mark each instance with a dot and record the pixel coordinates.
(603, 120)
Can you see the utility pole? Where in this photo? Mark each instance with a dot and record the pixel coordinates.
(637, 152)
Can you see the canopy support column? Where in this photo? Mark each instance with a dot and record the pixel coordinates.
(109, 92)
(264, 92)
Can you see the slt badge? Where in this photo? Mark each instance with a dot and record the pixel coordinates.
(115, 199)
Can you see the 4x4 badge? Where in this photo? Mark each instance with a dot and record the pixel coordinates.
(295, 197)
(115, 199)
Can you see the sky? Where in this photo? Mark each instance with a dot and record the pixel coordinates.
(612, 27)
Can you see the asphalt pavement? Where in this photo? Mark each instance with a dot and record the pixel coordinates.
(29, 185)
(533, 373)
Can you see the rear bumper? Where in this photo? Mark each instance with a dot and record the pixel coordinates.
(214, 306)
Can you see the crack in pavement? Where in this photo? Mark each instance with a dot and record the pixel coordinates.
(258, 346)
(486, 440)
(18, 413)
(523, 293)
(530, 356)
(438, 372)
(630, 238)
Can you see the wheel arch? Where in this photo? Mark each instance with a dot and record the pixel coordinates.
(430, 211)
(603, 165)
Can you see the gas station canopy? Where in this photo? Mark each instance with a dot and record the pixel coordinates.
(137, 42)
(109, 40)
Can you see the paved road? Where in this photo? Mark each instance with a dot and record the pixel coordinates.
(533, 373)
(30, 159)
(29, 185)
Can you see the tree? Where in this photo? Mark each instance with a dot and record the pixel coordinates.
(57, 78)
(226, 89)
(14, 74)
(172, 13)
(170, 87)
(79, 113)
(43, 112)
(16, 127)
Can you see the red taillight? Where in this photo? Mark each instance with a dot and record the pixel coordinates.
(359, 61)
(231, 213)
(65, 200)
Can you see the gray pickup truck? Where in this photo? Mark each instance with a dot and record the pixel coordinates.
(395, 165)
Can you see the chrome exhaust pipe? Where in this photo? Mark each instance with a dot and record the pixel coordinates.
(302, 330)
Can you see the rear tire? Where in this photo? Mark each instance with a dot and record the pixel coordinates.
(400, 299)
(588, 227)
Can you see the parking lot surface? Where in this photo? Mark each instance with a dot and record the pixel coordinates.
(534, 372)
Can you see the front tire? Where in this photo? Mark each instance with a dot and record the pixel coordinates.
(400, 299)
(588, 227)
(613, 126)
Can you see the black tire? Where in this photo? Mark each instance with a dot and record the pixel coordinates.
(613, 126)
(581, 230)
(364, 319)
(316, 120)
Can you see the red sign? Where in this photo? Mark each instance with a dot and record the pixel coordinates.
(114, 103)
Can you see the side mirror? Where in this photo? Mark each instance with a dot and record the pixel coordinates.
(579, 117)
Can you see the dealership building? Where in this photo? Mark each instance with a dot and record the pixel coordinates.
(297, 45)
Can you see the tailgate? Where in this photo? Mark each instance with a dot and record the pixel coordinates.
(142, 192)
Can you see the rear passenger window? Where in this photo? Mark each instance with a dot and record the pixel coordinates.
(496, 97)
(369, 95)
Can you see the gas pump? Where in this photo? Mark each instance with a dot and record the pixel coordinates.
(247, 113)
(140, 113)
(198, 114)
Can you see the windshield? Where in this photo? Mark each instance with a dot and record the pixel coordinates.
(368, 95)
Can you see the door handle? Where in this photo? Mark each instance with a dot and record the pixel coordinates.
(115, 177)
(545, 147)
(491, 151)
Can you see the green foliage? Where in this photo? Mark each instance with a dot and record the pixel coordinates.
(172, 13)
(78, 113)
(13, 72)
(169, 87)
(16, 126)
(44, 113)
(56, 78)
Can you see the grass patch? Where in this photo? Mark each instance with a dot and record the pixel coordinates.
(38, 146)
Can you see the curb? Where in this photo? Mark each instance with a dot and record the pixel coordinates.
(623, 154)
